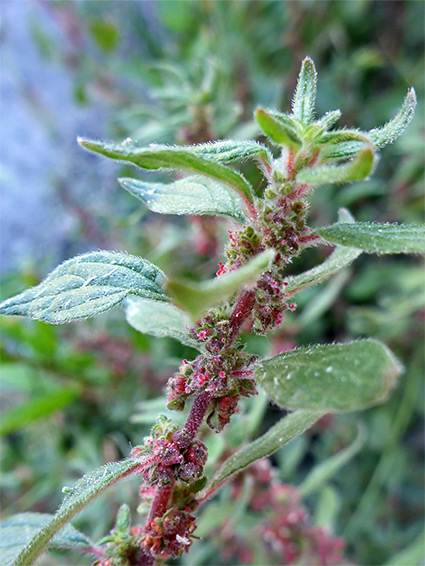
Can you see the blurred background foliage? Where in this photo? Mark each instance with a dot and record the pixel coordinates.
(176, 71)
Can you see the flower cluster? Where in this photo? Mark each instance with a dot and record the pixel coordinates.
(165, 457)
(169, 535)
(226, 377)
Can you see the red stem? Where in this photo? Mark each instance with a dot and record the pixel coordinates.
(241, 312)
(196, 416)
(160, 502)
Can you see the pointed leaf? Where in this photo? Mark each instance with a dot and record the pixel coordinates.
(159, 319)
(305, 94)
(278, 127)
(342, 150)
(192, 195)
(87, 285)
(83, 491)
(355, 170)
(197, 298)
(330, 118)
(332, 378)
(280, 434)
(325, 470)
(377, 238)
(17, 531)
(395, 127)
(174, 158)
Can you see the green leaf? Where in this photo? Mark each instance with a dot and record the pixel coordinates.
(42, 407)
(87, 285)
(277, 436)
(327, 507)
(395, 127)
(160, 320)
(377, 238)
(340, 258)
(192, 195)
(305, 94)
(324, 471)
(278, 127)
(329, 119)
(17, 531)
(105, 34)
(355, 170)
(81, 494)
(331, 378)
(228, 151)
(197, 298)
(173, 158)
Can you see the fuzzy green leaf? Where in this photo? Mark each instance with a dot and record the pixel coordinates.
(377, 238)
(332, 378)
(81, 494)
(197, 298)
(228, 151)
(355, 170)
(304, 100)
(342, 150)
(18, 530)
(391, 130)
(87, 285)
(175, 158)
(192, 195)
(278, 127)
(329, 119)
(159, 319)
(280, 434)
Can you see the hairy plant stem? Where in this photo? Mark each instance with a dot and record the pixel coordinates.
(160, 502)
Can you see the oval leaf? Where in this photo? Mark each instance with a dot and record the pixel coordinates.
(333, 378)
(192, 195)
(278, 127)
(377, 238)
(18, 530)
(277, 436)
(85, 490)
(87, 285)
(197, 298)
(159, 319)
(174, 158)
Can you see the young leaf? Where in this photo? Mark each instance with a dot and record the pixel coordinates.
(197, 298)
(325, 470)
(174, 158)
(87, 285)
(278, 127)
(391, 130)
(329, 119)
(377, 238)
(333, 378)
(280, 434)
(305, 94)
(17, 531)
(159, 319)
(192, 195)
(83, 491)
(355, 170)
